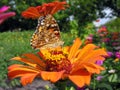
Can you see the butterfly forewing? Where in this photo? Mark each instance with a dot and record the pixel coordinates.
(47, 34)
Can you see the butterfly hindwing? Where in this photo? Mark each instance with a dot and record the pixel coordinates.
(47, 34)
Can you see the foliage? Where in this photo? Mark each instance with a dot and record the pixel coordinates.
(114, 5)
(83, 12)
(110, 41)
(114, 25)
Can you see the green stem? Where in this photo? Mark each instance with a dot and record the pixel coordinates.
(94, 83)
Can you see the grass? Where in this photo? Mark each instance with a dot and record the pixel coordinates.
(16, 43)
(12, 44)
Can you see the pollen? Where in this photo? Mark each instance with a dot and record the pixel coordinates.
(57, 61)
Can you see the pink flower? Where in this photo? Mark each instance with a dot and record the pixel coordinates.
(117, 54)
(106, 40)
(4, 8)
(99, 78)
(99, 62)
(115, 43)
(89, 38)
(110, 54)
(5, 15)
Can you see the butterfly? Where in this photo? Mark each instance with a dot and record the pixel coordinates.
(47, 34)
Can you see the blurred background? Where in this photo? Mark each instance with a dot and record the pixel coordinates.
(83, 18)
(79, 14)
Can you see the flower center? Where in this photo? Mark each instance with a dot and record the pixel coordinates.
(57, 61)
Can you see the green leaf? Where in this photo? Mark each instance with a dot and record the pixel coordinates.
(104, 86)
(70, 88)
(113, 78)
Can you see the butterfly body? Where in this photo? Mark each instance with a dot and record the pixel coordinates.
(47, 34)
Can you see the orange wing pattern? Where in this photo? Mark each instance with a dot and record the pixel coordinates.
(47, 34)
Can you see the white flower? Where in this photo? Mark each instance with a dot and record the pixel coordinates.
(111, 71)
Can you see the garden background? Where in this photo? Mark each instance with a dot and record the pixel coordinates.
(76, 21)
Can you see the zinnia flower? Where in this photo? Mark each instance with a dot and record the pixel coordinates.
(70, 62)
(45, 9)
(5, 15)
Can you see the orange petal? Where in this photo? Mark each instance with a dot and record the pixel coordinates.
(14, 66)
(47, 8)
(67, 48)
(95, 59)
(80, 81)
(21, 71)
(95, 55)
(28, 78)
(90, 67)
(31, 12)
(93, 68)
(52, 76)
(83, 53)
(51, 8)
(35, 58)
(41, 55)
(58, 6)
(80, 78)
(86, 51)
(90, 57)
(74, 48)
(29, 62)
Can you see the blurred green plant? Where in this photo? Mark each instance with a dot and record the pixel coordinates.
(83, 12)
(12, 44)
(109, 40)
(74, 27)
(114, 25)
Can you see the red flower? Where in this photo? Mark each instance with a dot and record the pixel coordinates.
(45, 9)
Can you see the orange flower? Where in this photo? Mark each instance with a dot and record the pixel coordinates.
(68, 62)
(49, 8)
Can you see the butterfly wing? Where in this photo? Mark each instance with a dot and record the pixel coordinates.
(47, 34)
